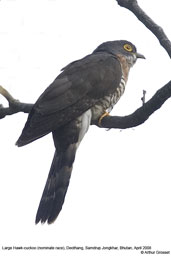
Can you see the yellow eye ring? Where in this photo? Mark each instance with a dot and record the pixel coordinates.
(128, 47)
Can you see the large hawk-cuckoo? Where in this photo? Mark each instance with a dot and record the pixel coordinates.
(84, 91)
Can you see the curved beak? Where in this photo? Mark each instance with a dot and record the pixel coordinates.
(140, 56)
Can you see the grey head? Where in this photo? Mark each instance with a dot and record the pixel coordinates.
(120, 48)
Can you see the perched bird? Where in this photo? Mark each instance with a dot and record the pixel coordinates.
(85, 90)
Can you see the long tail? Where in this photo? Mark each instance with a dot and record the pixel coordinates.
(67, 140)
(56, 186)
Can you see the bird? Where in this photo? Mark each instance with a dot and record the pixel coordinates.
(86, 90)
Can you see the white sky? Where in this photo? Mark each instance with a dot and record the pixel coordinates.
(119, 193)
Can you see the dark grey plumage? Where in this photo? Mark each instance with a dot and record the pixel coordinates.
(82, 92)
(75, 90)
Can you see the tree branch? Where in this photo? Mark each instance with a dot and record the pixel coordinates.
(140, 115)
(133, 6)
(14, 105)
(136, 118)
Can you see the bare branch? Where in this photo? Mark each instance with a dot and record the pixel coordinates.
(7, 95)
(135, 119)
(133, 6)
(14, 105)
(140, 115)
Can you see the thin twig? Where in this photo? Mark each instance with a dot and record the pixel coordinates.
(143, 97)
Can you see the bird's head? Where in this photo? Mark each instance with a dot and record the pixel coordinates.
(121, 48)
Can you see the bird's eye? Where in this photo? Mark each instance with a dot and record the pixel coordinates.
(128, 47)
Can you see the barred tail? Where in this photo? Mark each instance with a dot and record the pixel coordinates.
(66, 140)
(56, 186)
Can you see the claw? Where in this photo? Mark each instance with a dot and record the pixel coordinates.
(101, 118)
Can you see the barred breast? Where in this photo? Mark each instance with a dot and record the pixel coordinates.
(107, 103)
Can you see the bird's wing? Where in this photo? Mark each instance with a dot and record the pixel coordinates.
(75, 90)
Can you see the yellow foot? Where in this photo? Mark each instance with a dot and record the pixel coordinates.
(101, 118)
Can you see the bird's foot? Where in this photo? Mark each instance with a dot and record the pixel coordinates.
(101, 118)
